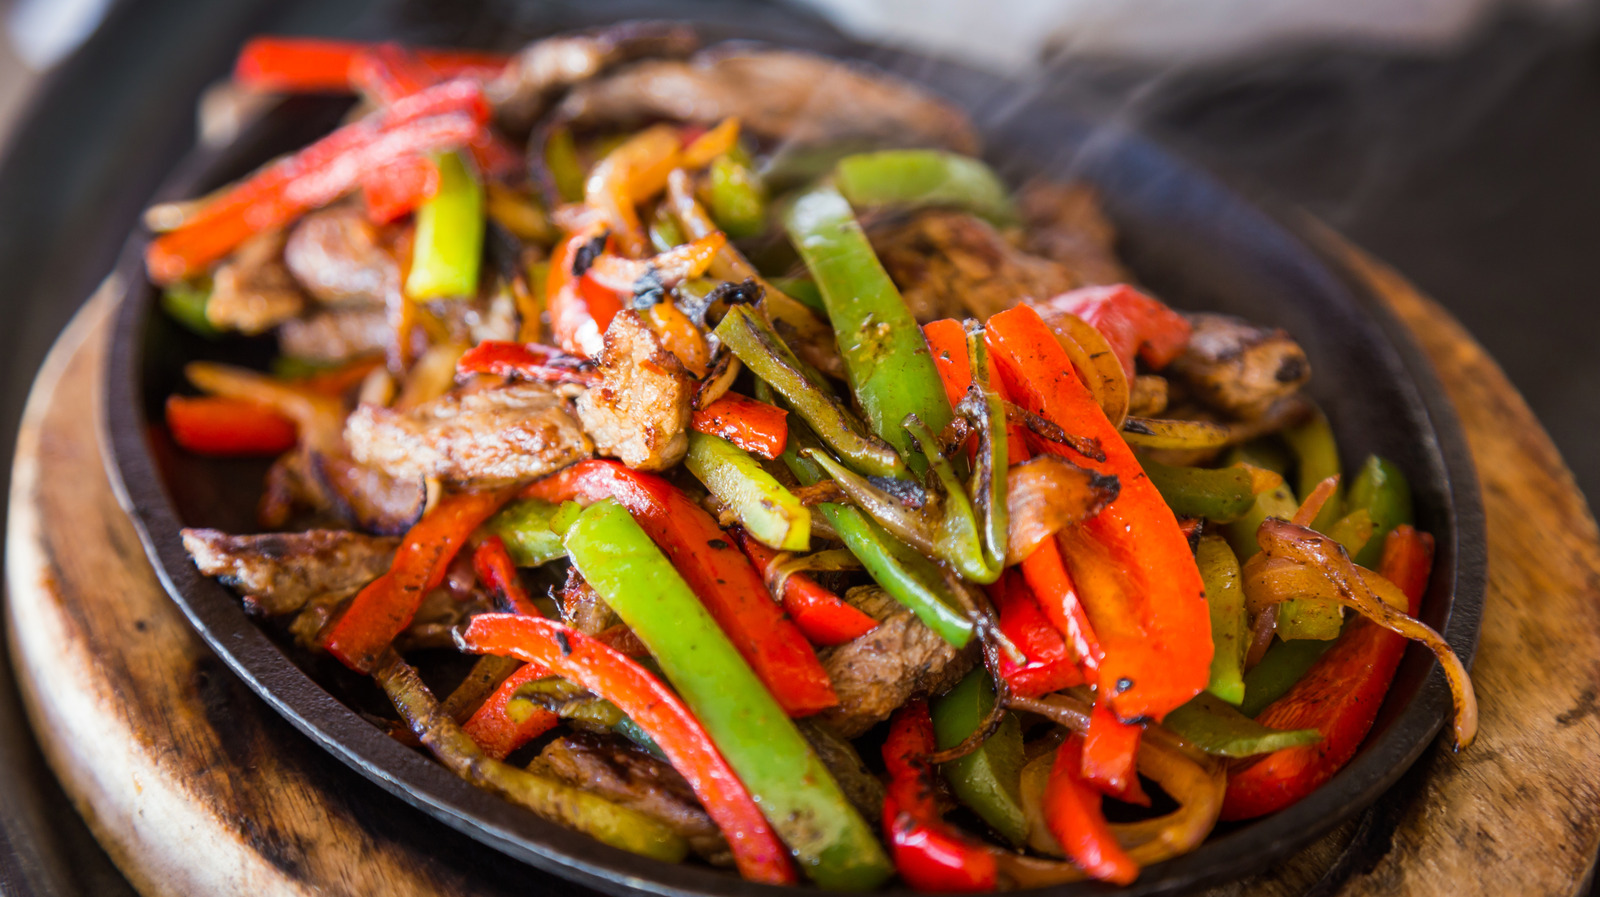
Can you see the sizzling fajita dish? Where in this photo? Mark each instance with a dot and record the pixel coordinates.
(798, 496)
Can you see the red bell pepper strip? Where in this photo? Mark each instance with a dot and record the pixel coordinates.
(1050, 667)
(225, 427)
(947, 341)
(819, 613)
(439, 118)
(492, 726)
(396, 189)
(929, 854)
(497, 573)
(1110, 756)
(526, 361)
(1046, 573)
(1131, 322)
(756, 427)
(1072, 813)
(310, 65)
(1131, 563)
(1339, 696)
(657, 710)
(385, 607)
(719, 574)
(580, 309)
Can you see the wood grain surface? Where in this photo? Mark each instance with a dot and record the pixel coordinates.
(195, 786)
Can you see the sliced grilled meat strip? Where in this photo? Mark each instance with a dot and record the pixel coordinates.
(1238, 368)
(616, 770)
(639, 413)
(950, 264)
(280, 572)
(335, 334)
(783, 95)
(888, 666)
(476, 438)
(1065, 223)
(863, 789)
(252, 291)
(341, 258)
(544, 68)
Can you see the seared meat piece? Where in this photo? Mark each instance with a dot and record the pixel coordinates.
(616, 770)
(438, 616)
(371, 500)
(783, 95)
(950, 264)
(888, 666)
(1238, 368)
(860, 786)
(582, 608)
(252, 291)
(640, 411)
(335, 334)
(471, 437)
(546, 67)
(342, 258)
(1064, 223)
(280, 572)
(1147, 395)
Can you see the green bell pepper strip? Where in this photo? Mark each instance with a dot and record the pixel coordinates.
(1219, 568)
(735, 197)
(988, 482)
(1214, 726)
(925, 177)
(907, 576)
(988, 780)
(1221, 495)
(1241, 533)
(449, 241)
(1353, 531)
(665, 232)
(1317, 458)
(796, 793)
(185, 302)
(890, 369)
(1284, 664)
(561, 160)
(802, 290)
(589, 813)
(771, 513)
(531, 530)
(1381, 488)
(750, 337)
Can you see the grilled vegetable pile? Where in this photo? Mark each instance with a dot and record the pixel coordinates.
(792, 480)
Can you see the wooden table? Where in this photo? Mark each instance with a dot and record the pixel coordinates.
(194, 786)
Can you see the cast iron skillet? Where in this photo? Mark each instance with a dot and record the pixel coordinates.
(1195, 242)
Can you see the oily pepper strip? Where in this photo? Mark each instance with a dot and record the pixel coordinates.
(385, 607)
(1072, 813)
(226, 427)
(1339, 696)
(499, 731)
(718, 572)
(929, 854)
(820, 614)
(1131, 562)
(498, 573)
(756, 427)
(610, 674)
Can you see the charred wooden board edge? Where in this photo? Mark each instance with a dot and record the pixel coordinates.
(216, 614)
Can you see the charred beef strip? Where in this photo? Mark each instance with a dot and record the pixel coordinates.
(341, 258)
(335, 334)
(1065, 223)
(474, 438)
(280, 572)
(950, 264)
(639, 413)
(545, 68)
(252, 291)
(785, 96)
(1238, 368)
(888, 666)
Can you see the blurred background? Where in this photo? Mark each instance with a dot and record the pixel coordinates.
(1458, 140)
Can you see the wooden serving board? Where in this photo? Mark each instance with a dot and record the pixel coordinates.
(195, 786)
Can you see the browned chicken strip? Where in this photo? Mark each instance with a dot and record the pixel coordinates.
(1238, 368)
(475, 438)
(639, 413)
(618, 771)
(280, 572)
(888, 666)
(252, 291)
(785, 95)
